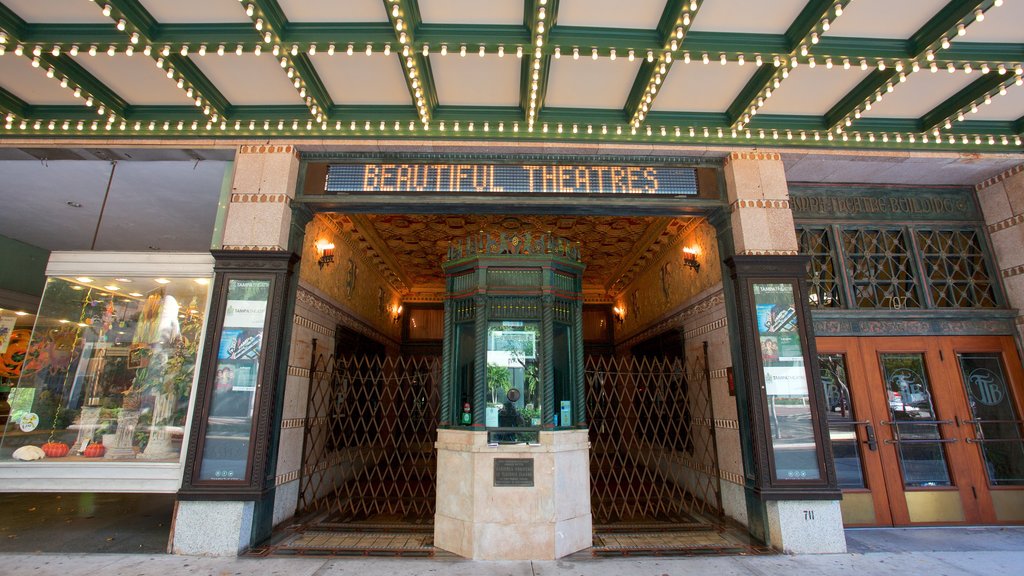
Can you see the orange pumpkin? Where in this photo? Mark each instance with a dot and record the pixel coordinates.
(55, 449)
(94, 451)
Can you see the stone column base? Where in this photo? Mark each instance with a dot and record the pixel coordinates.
(478, 520)
(806, 526)
(203, 528)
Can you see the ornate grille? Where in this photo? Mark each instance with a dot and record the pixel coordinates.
(880, 268)
(823, 278)
(955, 269)
(369, 440)
(652, 453)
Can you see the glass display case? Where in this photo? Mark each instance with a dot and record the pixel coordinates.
(109, 365)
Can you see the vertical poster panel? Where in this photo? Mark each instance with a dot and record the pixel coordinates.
(785, 379)
(239, 351)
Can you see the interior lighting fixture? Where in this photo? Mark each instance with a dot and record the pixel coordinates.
(325, 250)
(690, 259)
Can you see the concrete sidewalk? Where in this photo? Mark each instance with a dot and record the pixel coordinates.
(932, 552)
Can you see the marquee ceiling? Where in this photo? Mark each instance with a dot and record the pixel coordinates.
(410, 248)
(908, 74)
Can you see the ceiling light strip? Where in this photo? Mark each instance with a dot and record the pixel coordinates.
(270, 23)
(936, 35)
(540, 16)
(138, 25)
(675, 23)
(813, 22)
(405, 19)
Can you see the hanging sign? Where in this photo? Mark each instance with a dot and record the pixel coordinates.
(511, 179)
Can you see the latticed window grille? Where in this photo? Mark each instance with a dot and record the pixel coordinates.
(880, 268)
(955, 270)
(822, 276)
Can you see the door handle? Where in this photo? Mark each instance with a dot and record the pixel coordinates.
(871, 441)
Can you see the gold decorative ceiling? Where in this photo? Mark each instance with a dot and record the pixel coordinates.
(414, 246)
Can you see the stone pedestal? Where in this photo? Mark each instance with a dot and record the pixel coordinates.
(478, 520)
(806, 526)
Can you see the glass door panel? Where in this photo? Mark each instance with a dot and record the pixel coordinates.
(912, 415)
(842, 426)
(994, 417)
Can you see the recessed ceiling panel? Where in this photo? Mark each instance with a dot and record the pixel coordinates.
(192, 11)
(1001, 24)
(248, 79)
(471, 11)
(58, 11)
(922, 92)
(813, 90)
(30, 84)
(587, 83)
(642, 14)
(474, 81)
(334, 11)
(362, 79)
(885, 18)
(746, 16)
(134, 78)
(1009, 107)
(698, 87)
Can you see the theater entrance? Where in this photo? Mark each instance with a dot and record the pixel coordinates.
(926, 430)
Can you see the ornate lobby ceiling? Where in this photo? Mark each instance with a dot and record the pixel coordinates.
(412, 247)
(905, 74)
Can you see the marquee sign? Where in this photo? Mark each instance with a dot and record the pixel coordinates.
(511, 179)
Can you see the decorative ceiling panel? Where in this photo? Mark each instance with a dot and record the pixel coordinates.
(1001, 108)
(30, 84)
(362, 79)
(471, 11)
(772, 17)
(639, 14)
(568, 79)
(474, 81)
(922, 92)
(193, 11)
(611, 247)
(1003, 26)
(813, 90)
(248, 79)
(698, 87)
(57, 11)
(898, 19)
(334, 10)
(134, 78)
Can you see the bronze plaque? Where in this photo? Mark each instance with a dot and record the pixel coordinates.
(516, 472)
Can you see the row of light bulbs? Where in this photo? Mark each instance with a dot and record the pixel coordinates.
(64, 81)
(539, 35)
(783, 67)
(286, 56)
(410, 65)
(664, 61)
(676, 132)
(929, 55)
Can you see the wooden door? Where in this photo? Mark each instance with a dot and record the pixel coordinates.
(925, 430)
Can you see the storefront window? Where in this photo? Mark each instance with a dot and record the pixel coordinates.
(108, 370)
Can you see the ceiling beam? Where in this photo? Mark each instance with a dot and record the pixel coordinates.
(11, 106)
(936, 35)
(956, 107)
(404, 16)
(139, 28)
(675, 22)
(272, 26)
(62, 69)
(804, 33)
(540, 17)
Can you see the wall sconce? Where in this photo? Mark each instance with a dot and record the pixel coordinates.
(690, 259)
(326, 251)
(620, 314)
(396, 313)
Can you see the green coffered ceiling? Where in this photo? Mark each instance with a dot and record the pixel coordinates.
(906, 74)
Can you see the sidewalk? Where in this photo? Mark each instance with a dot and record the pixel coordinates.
(931, 552)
